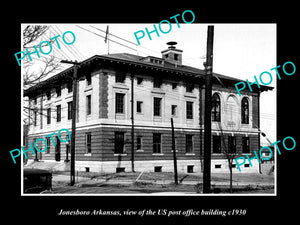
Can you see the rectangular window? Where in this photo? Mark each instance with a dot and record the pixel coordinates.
(245, 144)
(138, 142)
(120, 77)
(48, 145)
(139, 105)
(216, 144)
(189, 87)
(174, 86)
(34, 118)
(189, 110)
(231, 144)
(157, 106)
(173, 110)
(88, 105)
(156, 143)
(58, 113)
(88, 142)
(69, 110)
(218, 166)
(58, 91)
(119, 142)
(48, 115)
(189, 143)
(70, 86)
(157, 169)
(139, 80)
(120, 103)
(57, 149)
(157, 82)
(176, 57)
(88, 79)
(48, 94)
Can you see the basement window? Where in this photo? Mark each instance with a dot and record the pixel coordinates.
(218, 166)
(120, 169)
(190, 168)
(157, 169)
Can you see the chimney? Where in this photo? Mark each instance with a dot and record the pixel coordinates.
(172, 54)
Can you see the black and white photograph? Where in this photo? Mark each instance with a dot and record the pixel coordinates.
(137, 113)
(164, 116)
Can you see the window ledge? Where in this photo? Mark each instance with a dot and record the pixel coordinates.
(120, 154)
(158, 91)
(88, 154)
(69, 95)
(88, 88)
(190, 95)
(190, 154)
(121, 86)
(140, 150)
(158, 154)
(57, 99)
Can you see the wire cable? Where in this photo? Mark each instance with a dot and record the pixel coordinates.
(72, 47)
(104, 38)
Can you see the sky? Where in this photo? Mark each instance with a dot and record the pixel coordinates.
(239, 50)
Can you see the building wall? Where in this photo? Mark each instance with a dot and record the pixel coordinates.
(103, 143)
(145, 92)
(103, 122)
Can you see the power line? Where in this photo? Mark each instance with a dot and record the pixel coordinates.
(72, 47)
(64, 44)
(107, 38)
(114, 35)
(66, 47)
(126, 41)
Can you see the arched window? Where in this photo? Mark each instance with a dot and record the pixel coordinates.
(216, 108)
(245, 111)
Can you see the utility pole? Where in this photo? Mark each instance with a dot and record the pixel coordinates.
(132, 123)
(174, 153)
(74, 106)
(207, 111)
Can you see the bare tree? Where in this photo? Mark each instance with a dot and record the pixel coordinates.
(35, 71)
(32, 33)
(46, 65)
